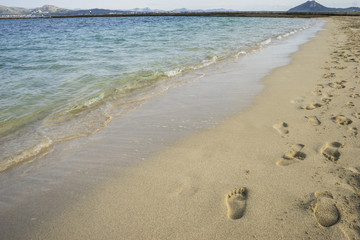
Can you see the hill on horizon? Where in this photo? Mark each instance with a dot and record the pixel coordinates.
(46, 9)
(313, 6)
(50, 10)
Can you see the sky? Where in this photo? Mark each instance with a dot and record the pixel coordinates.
(241, 5)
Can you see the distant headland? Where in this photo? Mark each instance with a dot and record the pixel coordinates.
(313, 6)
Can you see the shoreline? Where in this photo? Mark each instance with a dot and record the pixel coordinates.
(26, 139)
(291, 165)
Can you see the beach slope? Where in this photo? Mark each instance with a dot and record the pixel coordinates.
(287, 168)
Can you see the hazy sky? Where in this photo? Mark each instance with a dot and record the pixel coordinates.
(173, 4)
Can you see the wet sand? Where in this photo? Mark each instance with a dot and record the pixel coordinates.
(286, 168)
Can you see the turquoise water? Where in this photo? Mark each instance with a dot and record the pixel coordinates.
(64, 78)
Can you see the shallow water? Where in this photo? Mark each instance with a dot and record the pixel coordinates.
(194, 101)
(62, 79)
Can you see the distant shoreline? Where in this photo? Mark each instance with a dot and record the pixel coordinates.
(204, 14)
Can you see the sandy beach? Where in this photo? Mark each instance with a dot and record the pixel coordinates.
(286, 168)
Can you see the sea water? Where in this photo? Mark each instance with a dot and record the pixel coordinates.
(63, 79)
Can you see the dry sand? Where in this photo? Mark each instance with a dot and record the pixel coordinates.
(287, 168)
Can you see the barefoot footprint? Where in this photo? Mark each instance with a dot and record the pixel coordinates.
(329, 75)
(331, 151)
(236, 203)
(350, 104)
(340, 67)
(297, 100)
(311, 106)
(325, 210)
(341, 120)
(282, 128)
(353, 131)
(326, 100)
(313, 120)
(317, 91)
(292, 156)
(337, 85)
(357, 115)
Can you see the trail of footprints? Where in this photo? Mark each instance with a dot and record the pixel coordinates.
(325, 209)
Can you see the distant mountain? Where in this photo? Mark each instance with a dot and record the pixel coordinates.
(184, 10)
(49, 10)
(95, 11)
(44, 10)
(313, 6)
(13, 10)
(140, 10)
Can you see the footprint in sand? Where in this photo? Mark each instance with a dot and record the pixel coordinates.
(326, 100)
(355, 95)
(236, 203)
(353, 131)
(350, 104)
(311, 106)
(282, 128)
(337, 85)
(313, 120)
(357, 115)
(341, 120)
(325, 211)
(331, 151)
(317, 91)
(340, 67)
(293, 156)
(297, 100)
(329, 75)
